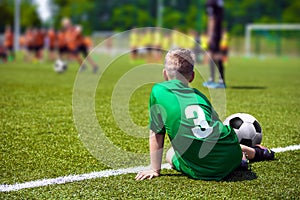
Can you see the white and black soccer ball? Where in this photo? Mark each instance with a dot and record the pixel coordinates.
(60, 66)
(246, 127)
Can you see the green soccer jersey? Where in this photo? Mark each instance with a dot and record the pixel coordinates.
(204, 147)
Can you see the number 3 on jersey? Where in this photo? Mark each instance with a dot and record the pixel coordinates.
(201, 129)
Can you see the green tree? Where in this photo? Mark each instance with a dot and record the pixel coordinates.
(183, 15)
(291, 12)
(29, 15)
(77, 10)
(128, 16)
(6, 14)
(173, 19)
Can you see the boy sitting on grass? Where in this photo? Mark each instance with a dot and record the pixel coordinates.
(202, 147)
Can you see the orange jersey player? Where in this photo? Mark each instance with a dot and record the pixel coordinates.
(52, 42)
(29, 39)
(52, 39)
(29, 44)
(62, 43)
(9, 42)
(84, 44)
(71, 39)
(39, 43)
(9, 38)
(22, 41)
(88, 42)
(3, 53)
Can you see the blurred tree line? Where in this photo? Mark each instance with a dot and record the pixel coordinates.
(28, 9)
(177, 14)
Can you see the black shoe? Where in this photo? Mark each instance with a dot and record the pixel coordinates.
(95, 69)
(82, 68)
(244, 166)
(262, 153)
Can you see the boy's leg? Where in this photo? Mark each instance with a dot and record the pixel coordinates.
(258, 153)
(263, 153)
(93, 63)
(250, 152)
(169, 156)
(212, 71)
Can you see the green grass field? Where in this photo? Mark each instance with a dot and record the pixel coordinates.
(39, 139)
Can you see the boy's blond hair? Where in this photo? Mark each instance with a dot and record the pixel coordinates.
(179, 62)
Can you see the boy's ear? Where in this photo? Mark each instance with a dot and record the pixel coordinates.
(192, 77)
(165, 75)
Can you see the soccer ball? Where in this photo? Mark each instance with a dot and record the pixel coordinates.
(246, 127)
(60, 66)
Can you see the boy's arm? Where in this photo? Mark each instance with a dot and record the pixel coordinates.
(156, 142)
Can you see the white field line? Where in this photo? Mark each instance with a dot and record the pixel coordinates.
(288, 148)
(74, 178)
(101, 174)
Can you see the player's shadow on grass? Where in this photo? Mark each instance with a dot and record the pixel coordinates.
(248, 87)
(173, 175)
(240, 176)
(235, 176)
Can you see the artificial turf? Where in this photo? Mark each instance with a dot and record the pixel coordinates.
(39, 138)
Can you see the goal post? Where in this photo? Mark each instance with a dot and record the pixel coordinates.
(266, 27)
(17, 25)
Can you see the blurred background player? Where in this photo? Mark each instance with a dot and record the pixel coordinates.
(175, 39)
(9, 43)
(108, 44)
(84, 44)
(3, 53)
(72, 39)
(157, 39)
(22, 42)
(62, 45)
(189, 40)
(148, 41)
(194, 44)
(39, 41)
(224, 47)
(166, 42)
(133, 42)
(29, 44)
(215, 9)
(142, 44)
(204, 47)
(52, 43)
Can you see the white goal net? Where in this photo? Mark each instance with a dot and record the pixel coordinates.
(274, 39)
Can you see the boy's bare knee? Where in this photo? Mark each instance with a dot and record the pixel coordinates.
(169, 156)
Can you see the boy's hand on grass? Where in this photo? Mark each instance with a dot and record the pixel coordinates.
(147, 175)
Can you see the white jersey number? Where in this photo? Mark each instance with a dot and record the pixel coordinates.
(201, 129)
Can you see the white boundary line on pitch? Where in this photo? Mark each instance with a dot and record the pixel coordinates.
(101, 174)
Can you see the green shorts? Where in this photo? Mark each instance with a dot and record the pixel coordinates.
(213, 167)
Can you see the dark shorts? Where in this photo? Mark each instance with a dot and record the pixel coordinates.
(83, 49)
(157, 49)
(3, 55)
(74, 52)
(10, 48)
(224, 51)
(63, 50)
(30, 48)
(134, 50)
(214, 45)
(52, 48)
(148, 48)
(38, 48)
